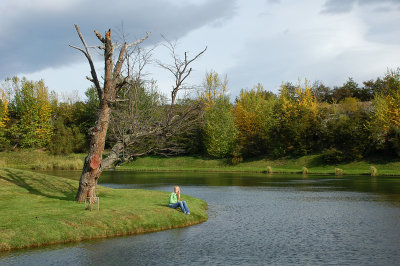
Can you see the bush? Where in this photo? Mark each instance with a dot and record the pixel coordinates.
(269, 170)
(236, 160)
(332, 156)
(4, 141)
(338, 171)
(66, 139)
(374, 171)
(304, 170)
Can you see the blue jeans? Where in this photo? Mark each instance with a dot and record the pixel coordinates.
(180, 204)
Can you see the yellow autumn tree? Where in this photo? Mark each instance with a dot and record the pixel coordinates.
(4, 118)
(298, 119)
(213, 88)
(385, 119)
(44, 130)
(33, 111)
(387, 110)
(255, 119)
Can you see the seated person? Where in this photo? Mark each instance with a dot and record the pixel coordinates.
(174, 202)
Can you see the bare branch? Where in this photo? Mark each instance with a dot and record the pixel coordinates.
(197, 56)
(180, 69)
(139, 40)
(98, 35)
(79, 49)
(118, 65)
(94, 79)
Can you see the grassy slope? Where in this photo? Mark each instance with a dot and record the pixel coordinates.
(39, 209)
(385, 166)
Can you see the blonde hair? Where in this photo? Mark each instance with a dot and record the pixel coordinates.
(178, 188)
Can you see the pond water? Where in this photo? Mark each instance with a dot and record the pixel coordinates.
(254, 219)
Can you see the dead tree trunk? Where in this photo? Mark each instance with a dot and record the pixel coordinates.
(113, 82)
(91, 169)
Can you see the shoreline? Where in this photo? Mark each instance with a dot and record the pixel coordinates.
(311, 164)
(355, 172)
(39, 160)
(102, 237)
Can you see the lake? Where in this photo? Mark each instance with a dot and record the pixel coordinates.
(255, 219)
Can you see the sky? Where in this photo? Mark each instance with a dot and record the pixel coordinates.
(258, 41)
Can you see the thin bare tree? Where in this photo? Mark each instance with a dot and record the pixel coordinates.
(113, 82)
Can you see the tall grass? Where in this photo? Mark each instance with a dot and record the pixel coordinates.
(40, 160)
(58, 164)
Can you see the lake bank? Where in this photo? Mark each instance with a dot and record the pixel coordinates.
(38, 210)
(384, 166)
(42, 160)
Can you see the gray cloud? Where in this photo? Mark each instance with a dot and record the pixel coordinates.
(37, 38)
(338, 6)
(344, 6)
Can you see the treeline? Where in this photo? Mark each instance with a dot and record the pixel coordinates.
(33, 117)
(342, 123)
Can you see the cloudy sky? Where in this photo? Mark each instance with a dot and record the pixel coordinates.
(266, 41)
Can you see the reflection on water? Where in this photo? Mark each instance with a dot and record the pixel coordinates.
(253, 219)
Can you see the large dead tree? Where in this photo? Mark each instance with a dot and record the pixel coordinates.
(156, 127)
(113, 82)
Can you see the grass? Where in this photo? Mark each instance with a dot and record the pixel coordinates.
(38, 209)
(313, 164)
(41, 160)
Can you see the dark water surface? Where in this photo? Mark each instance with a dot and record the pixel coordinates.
(253, 219)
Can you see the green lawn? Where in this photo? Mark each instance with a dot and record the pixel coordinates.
(39, 209)
(385, 166)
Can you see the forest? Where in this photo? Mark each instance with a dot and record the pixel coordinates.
(343, 123)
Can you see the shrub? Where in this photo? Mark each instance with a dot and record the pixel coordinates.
(374, 171)
(4, 141)
(66, 139)
(332, 156)
(338, 171)
(236, 160)
(305, 170)
(269, 170)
